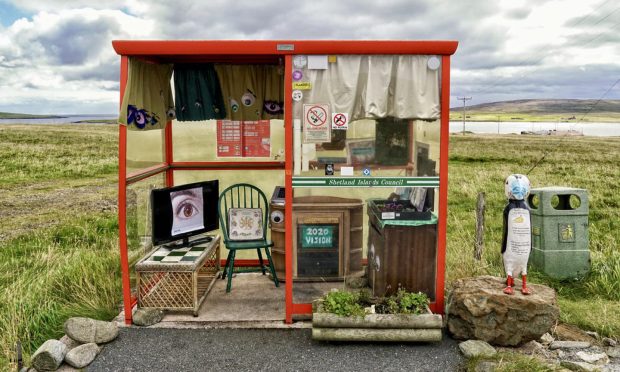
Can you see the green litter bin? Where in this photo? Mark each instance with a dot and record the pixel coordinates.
(560, 231)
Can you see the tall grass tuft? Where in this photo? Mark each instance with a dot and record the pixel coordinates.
(49, 276)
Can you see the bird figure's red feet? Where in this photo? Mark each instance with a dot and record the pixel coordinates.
(524, 289)
(509, 284)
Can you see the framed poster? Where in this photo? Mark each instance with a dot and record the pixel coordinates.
(317, 123)
(251, 139)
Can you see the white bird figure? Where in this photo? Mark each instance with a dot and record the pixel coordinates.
(517, 238)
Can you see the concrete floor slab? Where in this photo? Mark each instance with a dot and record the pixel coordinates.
(254, 302)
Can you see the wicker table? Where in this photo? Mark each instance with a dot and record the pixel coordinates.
(178, 279)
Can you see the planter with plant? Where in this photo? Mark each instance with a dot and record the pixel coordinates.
(356, 316)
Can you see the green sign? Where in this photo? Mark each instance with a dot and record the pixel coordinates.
(365, 181)
(317, 236)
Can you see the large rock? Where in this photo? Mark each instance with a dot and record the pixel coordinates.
(147, 317)
(478, 309)
(49, 356)
(86, 330)
(82, 355)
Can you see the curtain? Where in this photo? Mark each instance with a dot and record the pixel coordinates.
(374, 87)
(147, 101)
(197, 93)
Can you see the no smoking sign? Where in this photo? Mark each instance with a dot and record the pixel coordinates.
(340, 121)
(316, 123)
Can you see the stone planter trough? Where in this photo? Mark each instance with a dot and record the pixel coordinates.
(377, 327)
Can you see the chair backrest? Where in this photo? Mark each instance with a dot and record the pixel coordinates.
(241, 195)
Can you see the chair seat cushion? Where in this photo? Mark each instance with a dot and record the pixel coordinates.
(248, 244)
(245, 224)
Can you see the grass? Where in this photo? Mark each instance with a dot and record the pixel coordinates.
(59, 237)
(30, 154)
(513, 362)
(480, 164)
(51, 275)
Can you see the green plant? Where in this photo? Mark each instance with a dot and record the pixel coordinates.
(404, 302)
(343, 303)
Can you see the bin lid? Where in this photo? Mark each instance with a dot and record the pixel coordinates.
(557, 189)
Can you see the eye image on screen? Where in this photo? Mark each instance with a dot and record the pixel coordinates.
(187, 213)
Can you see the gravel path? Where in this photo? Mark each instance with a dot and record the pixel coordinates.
(265, 350)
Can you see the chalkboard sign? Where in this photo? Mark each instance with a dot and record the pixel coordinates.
(317, 236)
(318, 250)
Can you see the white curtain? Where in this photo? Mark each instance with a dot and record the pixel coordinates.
(376, 87)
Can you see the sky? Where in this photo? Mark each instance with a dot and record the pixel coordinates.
(56, 56)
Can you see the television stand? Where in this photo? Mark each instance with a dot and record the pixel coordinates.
(178, 279)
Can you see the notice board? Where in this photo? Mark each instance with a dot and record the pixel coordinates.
(236, 138)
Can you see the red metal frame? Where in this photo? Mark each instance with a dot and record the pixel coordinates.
(262, 51)
(168, 154)
(226, 165)
(438, 306)
(288, 184)
(122, 202)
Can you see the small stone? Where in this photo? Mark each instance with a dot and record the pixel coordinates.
(559, 353)
(82, 355)
(71, 343)
(147, 317)
(485, 366)
(86, 330)
(609, 341)
(593, 358)
(49, 356)
(579, 366)
(569, 345)
(474, 348)
(67, 368)
(531, 347)
(546, 339)
(592, 334)
(613, 352)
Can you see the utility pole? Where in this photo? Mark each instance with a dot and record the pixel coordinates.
(464, 99)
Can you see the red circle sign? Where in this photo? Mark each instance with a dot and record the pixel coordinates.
(316, 116)
(340, 120)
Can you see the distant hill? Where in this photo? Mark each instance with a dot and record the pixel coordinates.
(542, 110)
(10, 115)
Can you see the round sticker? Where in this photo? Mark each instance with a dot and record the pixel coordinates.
(300, 61)
(297, 95)
(433, 63)
(297, 75)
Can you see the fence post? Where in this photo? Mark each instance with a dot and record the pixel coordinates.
(479, 244)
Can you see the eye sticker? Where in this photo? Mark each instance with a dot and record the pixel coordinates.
(273, 107)
(248, 98)
(234, 105)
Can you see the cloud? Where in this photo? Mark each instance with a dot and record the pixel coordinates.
(508, 49)
(65, 54)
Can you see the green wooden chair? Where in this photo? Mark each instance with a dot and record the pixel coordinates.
(244, 195)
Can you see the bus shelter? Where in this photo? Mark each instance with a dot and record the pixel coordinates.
(338, 130)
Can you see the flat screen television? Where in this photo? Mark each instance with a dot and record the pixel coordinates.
(181, 212)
